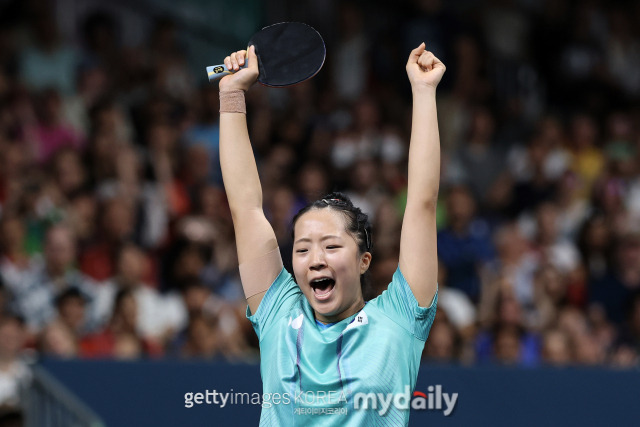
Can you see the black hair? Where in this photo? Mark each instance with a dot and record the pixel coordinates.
(357, 225)
(120, 297)
(70, 293)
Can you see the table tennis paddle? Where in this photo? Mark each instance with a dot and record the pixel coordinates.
(288, 53)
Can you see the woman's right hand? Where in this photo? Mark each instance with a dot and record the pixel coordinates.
(241, 79)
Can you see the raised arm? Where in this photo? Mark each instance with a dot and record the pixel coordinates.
(258, 254)
(418, 247)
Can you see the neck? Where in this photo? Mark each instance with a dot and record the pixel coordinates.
(353, 309)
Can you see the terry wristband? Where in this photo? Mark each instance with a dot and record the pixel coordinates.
(232, 101)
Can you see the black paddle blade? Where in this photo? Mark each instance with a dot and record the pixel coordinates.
(288, 53)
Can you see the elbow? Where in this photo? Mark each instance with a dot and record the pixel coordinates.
(430, 201)
(427, 201)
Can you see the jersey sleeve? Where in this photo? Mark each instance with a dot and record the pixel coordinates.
(400, 305)
(276, 303)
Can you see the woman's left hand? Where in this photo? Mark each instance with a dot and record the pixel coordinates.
(424, 69)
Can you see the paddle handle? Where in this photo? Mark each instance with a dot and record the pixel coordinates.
(216, 72)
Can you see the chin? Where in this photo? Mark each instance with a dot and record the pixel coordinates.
(327, 310)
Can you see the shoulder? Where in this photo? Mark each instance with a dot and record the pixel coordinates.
(399, 304)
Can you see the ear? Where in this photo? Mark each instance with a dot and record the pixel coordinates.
(365, 262)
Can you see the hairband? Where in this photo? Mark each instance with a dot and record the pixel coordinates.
(334, 200)
(366, 235)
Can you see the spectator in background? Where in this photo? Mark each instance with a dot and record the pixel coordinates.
(350, 69)
(48, 62)
(14, 373)
(52, 134)
(169, 68)
(201, 339)
(506, 346)
(627, 347)
(596, 244)
(312, 182)
(157, 316)
(36, 295)
(101, 44)
(163, 150)
(13, 164)
(505, 338)
(587, 349)
(117, 226)
(506, 29)
(515, 261)
(148, 198)
(71, 306)
(58, 341)
(556, 350)
(429, 20)
(621, 282)
(15, 262)
(213, 319)
(386, 262)
(478, 164)
(459, 309)
(464, 246)
(93, 85)
(120, 339)
(534, 183)
(579, 60)
(387, 227)
(550, 246)
(587, 160)
(443, 343)
(368, 138)
(573, 211)
(69, 172)
(366, 190)
(82, 212)
(622, 53)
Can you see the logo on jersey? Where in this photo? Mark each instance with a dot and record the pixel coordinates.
(297, 322)
(361, 319)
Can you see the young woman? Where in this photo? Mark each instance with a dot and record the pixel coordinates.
(322, 347)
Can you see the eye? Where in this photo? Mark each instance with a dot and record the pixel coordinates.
(333, 247)
(301, 251)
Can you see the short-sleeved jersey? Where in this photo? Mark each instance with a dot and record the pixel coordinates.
(315, 373)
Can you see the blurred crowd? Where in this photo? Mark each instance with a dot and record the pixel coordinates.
(116, 240)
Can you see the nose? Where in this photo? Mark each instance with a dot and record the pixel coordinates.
(317, 260)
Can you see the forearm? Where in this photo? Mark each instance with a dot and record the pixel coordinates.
(424, 150)
(239, 170)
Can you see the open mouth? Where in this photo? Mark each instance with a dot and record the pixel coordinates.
(322, 287)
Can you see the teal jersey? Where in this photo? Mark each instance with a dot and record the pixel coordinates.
(318, 376)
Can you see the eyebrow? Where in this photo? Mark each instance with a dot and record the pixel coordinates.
(306, 239)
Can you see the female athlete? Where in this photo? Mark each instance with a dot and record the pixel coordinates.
(327, 356)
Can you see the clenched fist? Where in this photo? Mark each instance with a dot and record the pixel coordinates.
(424, 69)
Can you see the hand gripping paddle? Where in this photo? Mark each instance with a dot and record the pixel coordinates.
(288, 53)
